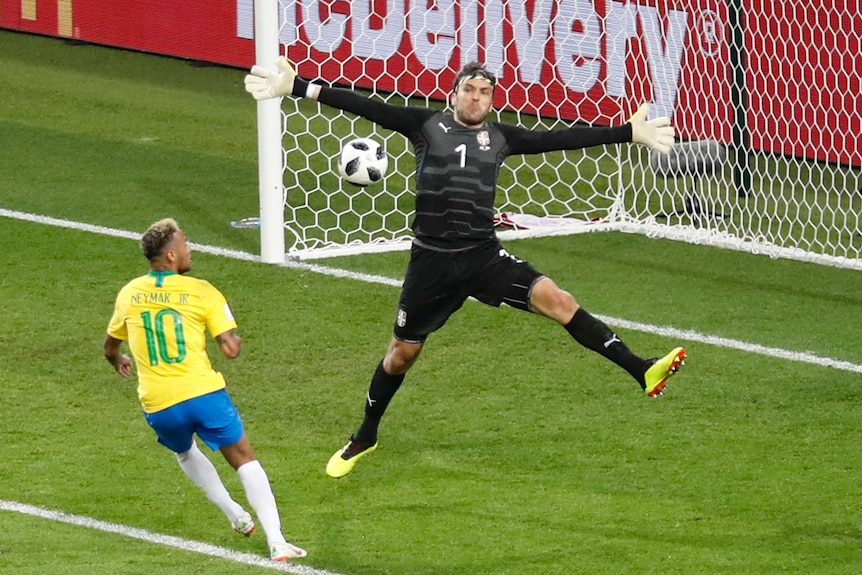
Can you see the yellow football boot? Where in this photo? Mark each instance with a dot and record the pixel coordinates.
(344, 460)
(658, 373)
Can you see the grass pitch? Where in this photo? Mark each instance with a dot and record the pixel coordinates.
(509, 450)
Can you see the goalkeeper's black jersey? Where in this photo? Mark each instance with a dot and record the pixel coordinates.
(457, 167)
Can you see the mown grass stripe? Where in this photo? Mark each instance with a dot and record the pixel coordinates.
(664, 331)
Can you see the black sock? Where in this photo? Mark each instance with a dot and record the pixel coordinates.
(593, 334)
(380, 393)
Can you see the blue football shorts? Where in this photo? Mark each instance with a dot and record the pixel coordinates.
(213, 417)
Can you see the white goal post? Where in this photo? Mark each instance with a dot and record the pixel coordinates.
(766, 99)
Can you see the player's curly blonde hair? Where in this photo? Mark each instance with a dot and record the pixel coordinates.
(157, 237)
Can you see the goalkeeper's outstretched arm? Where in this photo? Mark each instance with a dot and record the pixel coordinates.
(264, 84)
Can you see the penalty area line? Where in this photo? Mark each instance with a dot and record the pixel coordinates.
(665, 331)
(158, 539)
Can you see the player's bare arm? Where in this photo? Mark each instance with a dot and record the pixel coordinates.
(229, 343)
(121, 362)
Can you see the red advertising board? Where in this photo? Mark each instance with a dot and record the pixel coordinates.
(590, 60)
(195, 29)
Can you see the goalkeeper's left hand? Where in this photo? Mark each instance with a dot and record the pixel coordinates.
(264, 84)
(656, 134)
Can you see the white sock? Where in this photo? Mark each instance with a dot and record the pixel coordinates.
(203, 473)
(260, 497)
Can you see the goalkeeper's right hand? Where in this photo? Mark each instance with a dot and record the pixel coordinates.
(264, 84)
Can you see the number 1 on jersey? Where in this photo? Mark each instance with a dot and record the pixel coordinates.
(462, 149)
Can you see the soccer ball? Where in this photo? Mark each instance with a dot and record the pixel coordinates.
(362, 161)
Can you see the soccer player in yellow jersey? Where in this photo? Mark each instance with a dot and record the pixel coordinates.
(165, 315)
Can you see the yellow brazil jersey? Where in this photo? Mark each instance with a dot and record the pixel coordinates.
(165, 316)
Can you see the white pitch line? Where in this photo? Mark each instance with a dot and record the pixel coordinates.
(158, 539)
(212, 250)
(665, 331)
(690, 335)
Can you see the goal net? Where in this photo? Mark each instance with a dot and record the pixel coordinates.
(765, 97)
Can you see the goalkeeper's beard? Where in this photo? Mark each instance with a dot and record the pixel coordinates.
(472, 118)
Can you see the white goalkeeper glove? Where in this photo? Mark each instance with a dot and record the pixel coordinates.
(264, 84)
(656, 134)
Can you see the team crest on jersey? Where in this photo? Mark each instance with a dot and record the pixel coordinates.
(401, 320)
(484, 139)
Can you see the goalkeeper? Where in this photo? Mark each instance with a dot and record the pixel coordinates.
(455, 252)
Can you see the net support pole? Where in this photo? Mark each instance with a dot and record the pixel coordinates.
(270, 158)
(739, 98)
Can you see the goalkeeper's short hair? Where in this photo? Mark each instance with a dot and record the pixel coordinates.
(473, 70)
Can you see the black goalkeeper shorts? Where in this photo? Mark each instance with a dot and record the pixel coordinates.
(438, 283)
